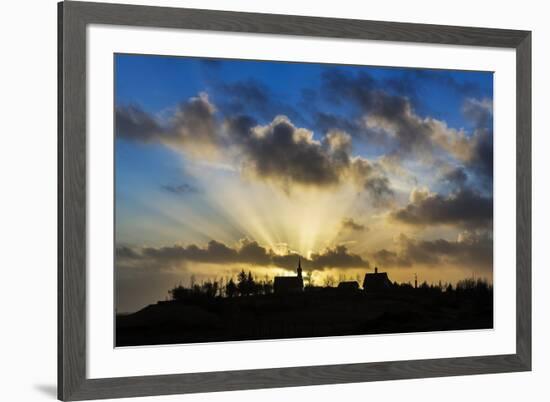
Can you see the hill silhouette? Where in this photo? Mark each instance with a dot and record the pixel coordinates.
(203, 315)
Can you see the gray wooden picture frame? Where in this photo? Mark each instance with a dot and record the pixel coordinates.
(73, 18)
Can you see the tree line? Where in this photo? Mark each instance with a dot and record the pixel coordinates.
(246, 285)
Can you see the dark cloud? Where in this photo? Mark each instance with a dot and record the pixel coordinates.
(472, 249)
(326, 122)
(387, 258)
(389, 120)
(372, 178)
(456, 177)
(252, 252)
(214, 252)
(410, 134)
(128, 253)
(337, 257)
(241, 95)
(350, 224)
(246, 252)
(342, 88)
(480, 113)
(285, 154)
(251, 97)
(481, 158)
(463, 207)
(180, 189)
(379, 188)
(385, 112)
(278, 152)
(289, 261)
(192, 125)
(133, 123)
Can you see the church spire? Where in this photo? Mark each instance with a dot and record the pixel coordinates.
(299, 269)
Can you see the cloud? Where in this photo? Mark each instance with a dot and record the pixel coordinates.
(192, 126)
(463, 207)
(127, 253)
(284, 153)
(245, 252)
(133, 123)
(180, 189)
(337, 257)
(481, 157)
(350, 224)
(472, 249)
(339, 88)
(214, 252)
(419, 137)
(412, 79)
(390, 120)
(287, 155)
(387, 258)
(244, 96)
(250, 97)
(479, 111)
(456, 177)
(278, 152)
(382, 112)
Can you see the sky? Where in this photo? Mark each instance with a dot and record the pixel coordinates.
(223, 165)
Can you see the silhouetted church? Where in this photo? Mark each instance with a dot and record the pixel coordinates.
(290, 284)
(376, 282)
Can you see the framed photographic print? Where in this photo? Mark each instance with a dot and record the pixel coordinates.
(253, 201)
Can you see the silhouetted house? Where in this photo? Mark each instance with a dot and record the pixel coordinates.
(377, 282)
(348, 286)
(289, 284)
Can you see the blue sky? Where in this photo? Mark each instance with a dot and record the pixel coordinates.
(159, 82)
(405, 153)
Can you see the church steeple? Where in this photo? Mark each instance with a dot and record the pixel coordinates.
(299, 269)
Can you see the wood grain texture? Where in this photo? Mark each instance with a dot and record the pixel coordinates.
(73, 19)
(294, 376)
(230, 21)
(523, 200)
(72, 265)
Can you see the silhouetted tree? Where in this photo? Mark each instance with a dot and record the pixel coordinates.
(231, 289)
(479, 287)
(309, 278)
(221, 287)
(251, 285)
(243, 283)
(329, 281)
(178, 293)
(209, 288)
(267, 287)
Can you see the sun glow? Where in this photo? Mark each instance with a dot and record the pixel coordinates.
(303, 220)
(231, 165)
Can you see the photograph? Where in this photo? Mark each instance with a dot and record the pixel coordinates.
(270, 199)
